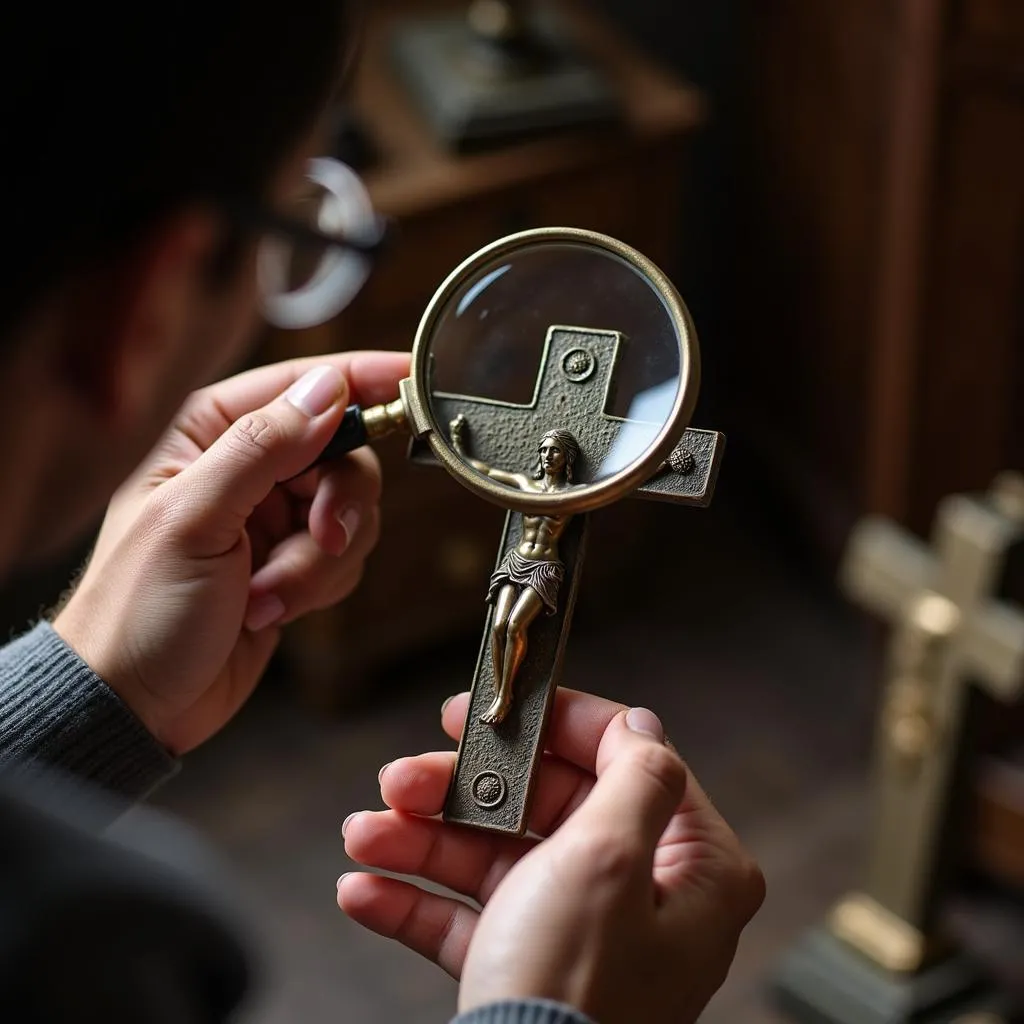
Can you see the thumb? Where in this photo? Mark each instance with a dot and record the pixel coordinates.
(259, 450)
(640, 783)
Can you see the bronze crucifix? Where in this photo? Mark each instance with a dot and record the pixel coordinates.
(605, 417)
(549, 444)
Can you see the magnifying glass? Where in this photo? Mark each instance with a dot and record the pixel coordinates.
(554, 371)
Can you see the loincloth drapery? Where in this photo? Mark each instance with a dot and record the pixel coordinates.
(543, 576)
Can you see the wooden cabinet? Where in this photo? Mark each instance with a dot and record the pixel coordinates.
(879, 357)
(882, 367)
(428, 578)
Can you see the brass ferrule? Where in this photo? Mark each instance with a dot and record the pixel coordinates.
(382, 420)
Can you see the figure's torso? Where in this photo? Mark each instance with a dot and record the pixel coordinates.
(541, 535)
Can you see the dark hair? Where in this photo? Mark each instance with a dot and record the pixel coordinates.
(114, 113)
(570, 448)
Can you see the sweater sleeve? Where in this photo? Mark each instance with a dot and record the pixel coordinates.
(525, 1011)
(55, 712)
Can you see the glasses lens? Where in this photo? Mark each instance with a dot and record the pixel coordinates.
(307, 282)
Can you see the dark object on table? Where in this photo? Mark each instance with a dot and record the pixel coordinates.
(499, 72)
(826, 981)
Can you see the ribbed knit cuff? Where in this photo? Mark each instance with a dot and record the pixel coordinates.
(56, 712)
(523, 1011)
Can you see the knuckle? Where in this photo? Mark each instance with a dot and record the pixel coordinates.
(256, 433)
(743, 884)
(755, 886)
(663, 766)
(189, 419)
(608, 859)
(164, 523)
(162, 512)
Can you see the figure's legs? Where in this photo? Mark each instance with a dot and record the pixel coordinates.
(526, 609)
(499, 626)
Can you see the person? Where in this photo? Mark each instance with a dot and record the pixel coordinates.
(145, 163)
(530, 575)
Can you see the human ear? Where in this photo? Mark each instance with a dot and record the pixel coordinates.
(129, 322)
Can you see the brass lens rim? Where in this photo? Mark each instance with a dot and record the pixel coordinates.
(589, 496)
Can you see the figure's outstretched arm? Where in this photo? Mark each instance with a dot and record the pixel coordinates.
(457, 431)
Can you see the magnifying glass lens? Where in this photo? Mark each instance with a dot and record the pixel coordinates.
(556, 336)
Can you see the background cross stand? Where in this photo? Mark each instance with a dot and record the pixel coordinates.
(498, 70)
(883, 958)
(575, 387)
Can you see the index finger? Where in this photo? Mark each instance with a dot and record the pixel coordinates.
(578, 721)
(372, 377)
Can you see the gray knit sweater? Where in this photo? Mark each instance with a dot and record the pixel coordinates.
(57, 714)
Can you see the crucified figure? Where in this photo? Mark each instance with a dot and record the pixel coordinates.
(528, 579)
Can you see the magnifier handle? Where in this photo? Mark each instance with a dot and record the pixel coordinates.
(360, 426)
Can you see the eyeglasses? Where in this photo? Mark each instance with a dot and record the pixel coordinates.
(311, 266)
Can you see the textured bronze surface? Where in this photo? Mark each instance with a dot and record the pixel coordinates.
(505, 434)
(696, 484)
(506, 755)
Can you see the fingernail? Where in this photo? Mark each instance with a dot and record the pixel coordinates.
(315, 392)
(444, 706)
(380, 775)
(345, 823)
(647, 722)
(263, 612)
(349, 520)
(341, 878)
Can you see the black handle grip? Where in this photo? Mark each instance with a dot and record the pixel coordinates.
(351, 434)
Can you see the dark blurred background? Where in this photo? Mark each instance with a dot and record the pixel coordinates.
(838, 191)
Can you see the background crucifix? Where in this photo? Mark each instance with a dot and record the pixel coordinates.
(893, 961)
(951, 633)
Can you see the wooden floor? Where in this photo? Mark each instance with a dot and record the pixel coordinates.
(763, 680)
